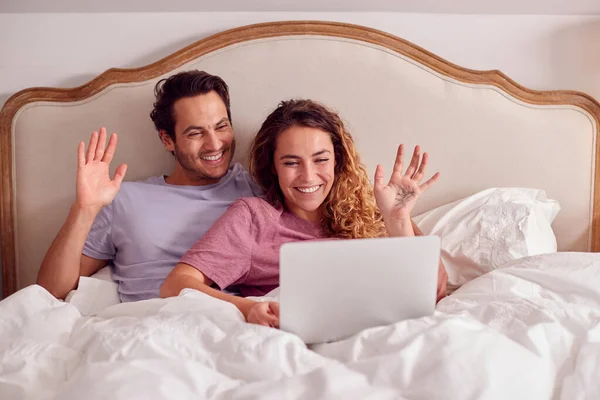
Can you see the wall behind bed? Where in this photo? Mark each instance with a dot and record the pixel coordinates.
(64, 50)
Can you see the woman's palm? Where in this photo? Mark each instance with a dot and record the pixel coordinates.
(398, 198)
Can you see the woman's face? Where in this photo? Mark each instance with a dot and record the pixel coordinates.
(304, 163)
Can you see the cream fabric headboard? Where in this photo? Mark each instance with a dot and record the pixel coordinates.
(481, 129)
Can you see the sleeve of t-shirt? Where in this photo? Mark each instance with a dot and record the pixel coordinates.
(254, 187)
(224, 253)
(99, 242)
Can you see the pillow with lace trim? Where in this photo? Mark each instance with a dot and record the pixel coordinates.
(490, 228)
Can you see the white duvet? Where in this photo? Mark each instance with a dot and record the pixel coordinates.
(530, 330)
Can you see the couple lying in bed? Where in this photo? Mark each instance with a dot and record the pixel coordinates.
(204, 217)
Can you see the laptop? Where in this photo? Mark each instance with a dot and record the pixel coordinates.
(331, 290)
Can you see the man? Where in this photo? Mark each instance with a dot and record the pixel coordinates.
(144, 228)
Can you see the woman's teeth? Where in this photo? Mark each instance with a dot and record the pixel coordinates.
(311, 189)
(212, 158)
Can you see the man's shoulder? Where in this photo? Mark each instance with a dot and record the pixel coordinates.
(146, 188)
(158, 180)
(240, 177)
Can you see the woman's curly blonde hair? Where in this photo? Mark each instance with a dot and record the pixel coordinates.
(349, 211)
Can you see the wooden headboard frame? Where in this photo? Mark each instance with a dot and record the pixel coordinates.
(242, 34)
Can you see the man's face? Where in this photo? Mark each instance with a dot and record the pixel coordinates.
(204, 143)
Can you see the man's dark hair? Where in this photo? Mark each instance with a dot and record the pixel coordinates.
(181, 85)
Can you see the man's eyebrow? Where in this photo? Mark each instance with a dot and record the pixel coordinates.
(193, 128)
(225, 119)
(200, 128)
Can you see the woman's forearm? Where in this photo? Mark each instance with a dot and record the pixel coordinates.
(185, 276)
(442, 285)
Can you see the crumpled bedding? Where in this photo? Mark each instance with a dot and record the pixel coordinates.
(528, 330)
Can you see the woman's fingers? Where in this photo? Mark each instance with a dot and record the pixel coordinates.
(398, 164)
(268, 314)
(421, 171)
(379, 175)
(274, 308)
(414, 162)
(431, 181)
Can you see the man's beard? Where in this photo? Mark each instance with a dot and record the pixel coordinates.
(190, 163)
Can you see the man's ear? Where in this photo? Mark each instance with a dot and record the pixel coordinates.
(167, 141)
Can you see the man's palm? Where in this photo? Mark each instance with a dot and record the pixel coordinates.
(94, 187)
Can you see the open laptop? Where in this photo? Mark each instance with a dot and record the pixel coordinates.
(330, 290)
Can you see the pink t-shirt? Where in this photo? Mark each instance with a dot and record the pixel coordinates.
(241, 249)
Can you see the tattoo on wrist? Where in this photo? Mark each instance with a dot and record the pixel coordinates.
(404, 196)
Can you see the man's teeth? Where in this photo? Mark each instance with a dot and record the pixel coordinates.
(311, 189)
(212, 158)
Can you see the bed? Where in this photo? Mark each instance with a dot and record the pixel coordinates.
(524, 321)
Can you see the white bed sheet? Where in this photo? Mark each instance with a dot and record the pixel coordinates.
(530, 330)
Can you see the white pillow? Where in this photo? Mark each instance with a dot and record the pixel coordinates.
(95, 293)
(488, 229)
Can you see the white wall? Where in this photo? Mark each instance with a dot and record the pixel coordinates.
(66, 50)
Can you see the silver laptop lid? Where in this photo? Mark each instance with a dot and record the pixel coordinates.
(333, 289)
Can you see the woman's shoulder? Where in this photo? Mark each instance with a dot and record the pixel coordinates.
(258, 207)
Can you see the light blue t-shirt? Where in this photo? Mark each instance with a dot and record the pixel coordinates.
(150, 225)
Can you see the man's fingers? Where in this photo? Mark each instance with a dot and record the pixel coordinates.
(120, 174)
(110, 150)
(91, 152)
(101, 145)
(81, 155)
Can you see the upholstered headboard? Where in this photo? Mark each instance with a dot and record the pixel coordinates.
(481, 129)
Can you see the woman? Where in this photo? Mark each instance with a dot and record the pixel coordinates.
(315, 188)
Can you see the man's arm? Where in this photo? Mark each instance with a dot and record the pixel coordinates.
(64, 261)
(442, 286)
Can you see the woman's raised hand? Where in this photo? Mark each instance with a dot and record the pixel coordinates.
(397, 198)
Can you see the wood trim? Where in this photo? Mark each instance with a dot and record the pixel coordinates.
(7, 231)
(248, 33)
